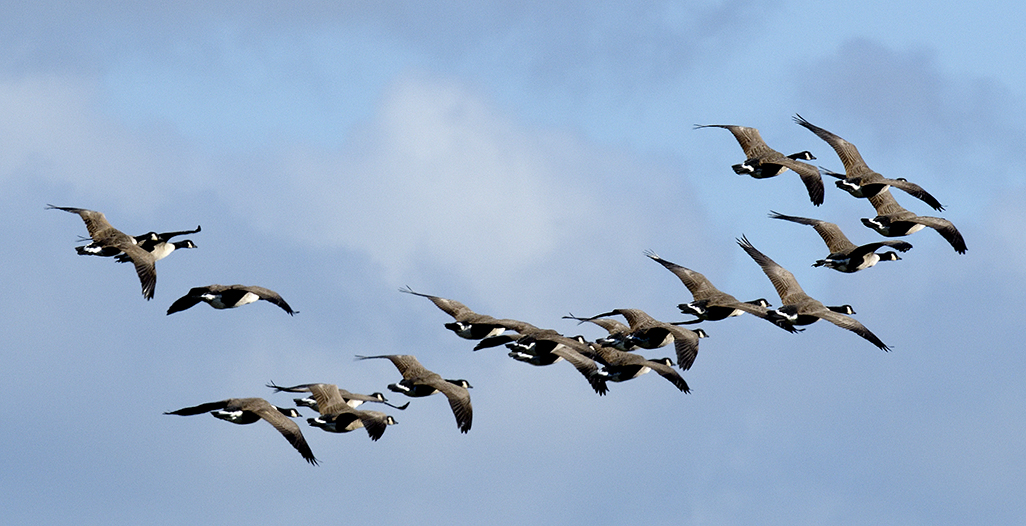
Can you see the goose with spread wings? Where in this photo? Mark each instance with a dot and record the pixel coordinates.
(105, 236)
(418, 381)
(228, 297)
(763, 162)
(893, 220)
(251, 410)
(846, 256)
(338, 414)
(797, 307)
(859, 180)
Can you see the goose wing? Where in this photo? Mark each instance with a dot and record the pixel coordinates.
(853, 325)
(459, 401)
(451, 307)
(264, 294)
(288, 429)
(831, 234)
(699, 286)
(787, 286)
(849, 154)
(749, 138)
(946, 229)
(810, 178)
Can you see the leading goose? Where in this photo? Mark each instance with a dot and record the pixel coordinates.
(860, 180)
(650, 333)
(468, 324)
(106, 236)
(844, 255)
(159, 245)
(418, 381)
(250, 410)
(763, 162)
(709, 302)
(228, 297)
(892, 220)
(798, 308)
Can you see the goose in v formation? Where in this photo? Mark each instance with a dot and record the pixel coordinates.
(763, 162)
(709, 302)
(859, 180)
(797, 307)
(468, 324)
(844, 255)
(418, 381)
(650, 333)
(620, 366)
(892, 220)
(338, 414)
(159, 245)
(104, 235)
(353, 400)
(250, 410)
(537, 346)
(228, 297)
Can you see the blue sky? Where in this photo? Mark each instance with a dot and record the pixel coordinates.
(520, 160)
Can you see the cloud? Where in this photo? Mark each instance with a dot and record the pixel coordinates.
(54, 135)
(441, 178)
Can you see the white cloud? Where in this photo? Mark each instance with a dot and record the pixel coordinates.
(443, 179)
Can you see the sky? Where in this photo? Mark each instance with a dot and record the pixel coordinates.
(519, 159)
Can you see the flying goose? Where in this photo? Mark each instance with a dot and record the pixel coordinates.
(250, 410)
(228, 297)
(159, 245)
(618, 332)
(620, 366)
(106, 236)
(709, 302)
(338, 414)
(469, 324)
(763, 162)
(537, 346)
(650, 333)
(844, 255)
(859, 180)
(892, 220)
(797, 307)
(353, 400)
(418, 381)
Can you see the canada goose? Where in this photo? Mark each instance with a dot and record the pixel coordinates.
(418, 381)
(618, 332)
(228, 297)
(157, 244)
(797, 307)
(469, 324)
(353, 400)
(105, 235)
(892, 220)
(338, 413)
(859, 180)
(537, 346)
(650, 333)
(764, 162)
(620, 366)
(345, 419)
(250, 410)
(710, 303)
(844, 255)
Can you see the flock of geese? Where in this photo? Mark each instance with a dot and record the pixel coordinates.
(612, 358)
